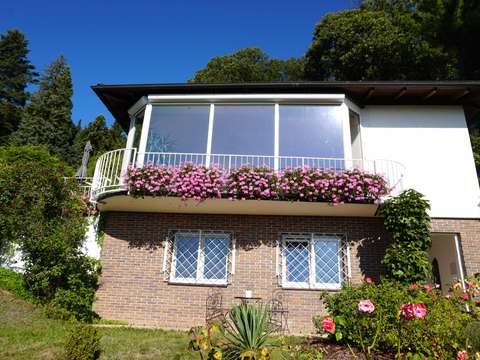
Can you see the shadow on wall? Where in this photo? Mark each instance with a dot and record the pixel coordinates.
(370, 252)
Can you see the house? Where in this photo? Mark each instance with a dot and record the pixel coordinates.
(163, 255)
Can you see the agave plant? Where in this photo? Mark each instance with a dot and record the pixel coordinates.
(247, 332)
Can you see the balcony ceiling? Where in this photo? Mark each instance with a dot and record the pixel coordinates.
(119, 98)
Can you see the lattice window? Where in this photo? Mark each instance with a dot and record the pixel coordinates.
(313, 261)
(199, 256)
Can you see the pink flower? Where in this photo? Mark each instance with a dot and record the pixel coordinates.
(419, 310)
(427, 287)
(464, 296)
(470, 285)
(414, 286)
(366, 306)
(368, 280)
(462, 355)
(328, 325)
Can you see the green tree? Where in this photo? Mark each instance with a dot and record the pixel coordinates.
(47, 119)
(101, 137)
(372, 45)
(16, 72)
(248, 65)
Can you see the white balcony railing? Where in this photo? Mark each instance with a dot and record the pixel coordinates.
(112, 166)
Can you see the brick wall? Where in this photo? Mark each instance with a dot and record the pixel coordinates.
(469, 234)
(132, 286)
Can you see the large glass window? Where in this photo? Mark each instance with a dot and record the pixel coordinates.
(179, 129)
(312, 261)
(311, 130)
(243, 129)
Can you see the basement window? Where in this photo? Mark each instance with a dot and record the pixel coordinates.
(199, 257)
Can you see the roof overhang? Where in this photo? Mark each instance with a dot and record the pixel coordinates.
(120, 98)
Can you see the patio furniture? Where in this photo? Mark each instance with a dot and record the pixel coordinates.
(214, 307)
(278, 308)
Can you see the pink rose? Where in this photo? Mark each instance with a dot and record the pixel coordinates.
(407, 311)
(419, 310)
(368, 280)
(328, 325)
(366, 306)
(462, 355)
(464, 296)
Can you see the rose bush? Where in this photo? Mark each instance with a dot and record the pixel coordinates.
(406, 319)
(262, 183)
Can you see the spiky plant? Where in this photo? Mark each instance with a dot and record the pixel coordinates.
(247, 332)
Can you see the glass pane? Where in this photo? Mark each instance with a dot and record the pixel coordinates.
(311, 130)
(326, 261)
(216, 252)
(242, 129)
(296, 261)
(178, 129)
(186, 256)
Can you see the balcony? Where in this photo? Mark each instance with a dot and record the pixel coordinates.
(110, 183)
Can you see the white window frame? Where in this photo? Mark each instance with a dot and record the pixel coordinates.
(311, 238)
(199, 277)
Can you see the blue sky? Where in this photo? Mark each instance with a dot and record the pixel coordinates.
(127, 41)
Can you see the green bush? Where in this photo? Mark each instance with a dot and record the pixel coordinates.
(439, 334)
(14, 282)
(83, 343)
(42, 214)
(407, 220)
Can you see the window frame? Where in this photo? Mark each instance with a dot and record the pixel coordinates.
(171, 242)
(311, 238)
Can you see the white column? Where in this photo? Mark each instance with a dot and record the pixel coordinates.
(127, 156)
(210, 134)
(347, 141)
(144, 135)
(276, 138)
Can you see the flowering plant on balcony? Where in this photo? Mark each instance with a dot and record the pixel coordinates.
(347, 186)
(300, 184)
(252, 183)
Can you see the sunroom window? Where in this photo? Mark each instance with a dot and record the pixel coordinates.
(199, 257)
(313, 261)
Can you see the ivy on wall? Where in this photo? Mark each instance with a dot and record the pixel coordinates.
(407, 220)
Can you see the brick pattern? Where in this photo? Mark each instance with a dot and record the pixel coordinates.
(132, 286)
(469, 234)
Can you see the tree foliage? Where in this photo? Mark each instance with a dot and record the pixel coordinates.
(47, 120)
(42, 214)
(16, 72)
(249, 65)
(102, 139)
(407, 220)
(372, 45)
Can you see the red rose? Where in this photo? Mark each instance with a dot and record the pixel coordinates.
(328, 325)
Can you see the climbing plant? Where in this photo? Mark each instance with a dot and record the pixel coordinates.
(407, 220)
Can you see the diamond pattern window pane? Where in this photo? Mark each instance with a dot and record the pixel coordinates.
(327, 269)
(215, 257)
(186, 256)
(297, 256)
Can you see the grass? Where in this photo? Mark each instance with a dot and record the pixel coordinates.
(26, 333)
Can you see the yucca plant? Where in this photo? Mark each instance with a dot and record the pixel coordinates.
(247, 332)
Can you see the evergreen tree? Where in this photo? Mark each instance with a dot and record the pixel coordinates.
(16, 72)
(102, 139)
(47, 119)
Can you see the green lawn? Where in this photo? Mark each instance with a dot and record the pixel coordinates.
(26, 333)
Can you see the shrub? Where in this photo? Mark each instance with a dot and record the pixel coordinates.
(14, 282)
(42, 214)
(83, 343)
(407, 319)
(407, 221)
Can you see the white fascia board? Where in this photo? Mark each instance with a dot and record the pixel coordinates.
(328, 99)
(138, 106)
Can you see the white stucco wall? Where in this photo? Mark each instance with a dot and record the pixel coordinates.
(434, 145)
